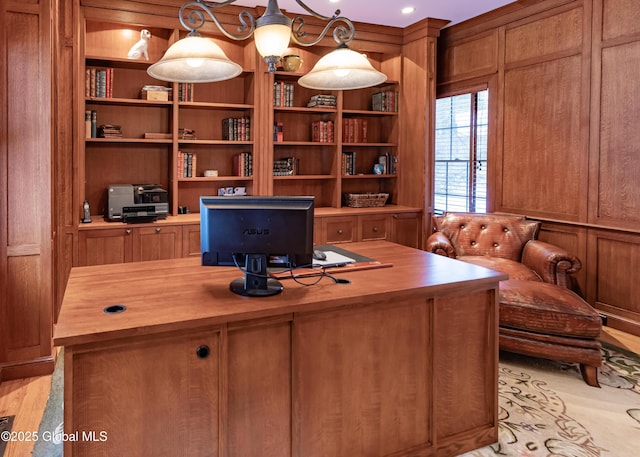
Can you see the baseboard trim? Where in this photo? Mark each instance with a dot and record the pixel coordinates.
(37, 367)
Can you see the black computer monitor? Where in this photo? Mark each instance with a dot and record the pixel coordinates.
(256, 233)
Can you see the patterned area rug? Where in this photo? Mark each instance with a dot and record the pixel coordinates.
(547, 410)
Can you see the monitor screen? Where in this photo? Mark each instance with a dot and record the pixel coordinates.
(256, 233)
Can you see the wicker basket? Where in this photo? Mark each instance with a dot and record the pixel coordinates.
(366, 200)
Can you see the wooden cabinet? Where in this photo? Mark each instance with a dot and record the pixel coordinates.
(129, 244)
(345, 225)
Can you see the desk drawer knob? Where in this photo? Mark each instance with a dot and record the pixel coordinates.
(157, 230)
(203, 351)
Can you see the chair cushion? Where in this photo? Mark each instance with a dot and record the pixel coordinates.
(515, 270)
(548, 309)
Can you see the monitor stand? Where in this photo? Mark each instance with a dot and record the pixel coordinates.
(256, 282)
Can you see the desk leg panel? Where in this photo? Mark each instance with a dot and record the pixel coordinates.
(361, 380)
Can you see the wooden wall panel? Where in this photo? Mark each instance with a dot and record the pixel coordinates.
(470, 58)
(544, 148)
(613, 277)
(26, 296)
(615, 183)
(620, 18)
(549, 36)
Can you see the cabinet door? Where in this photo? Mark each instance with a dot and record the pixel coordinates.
(100, 247)
(339, 229)
(156, 396)
(406, 229)
(157, 243)
(373, 227)
(191, 240)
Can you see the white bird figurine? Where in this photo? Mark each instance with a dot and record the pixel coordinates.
(141, 47)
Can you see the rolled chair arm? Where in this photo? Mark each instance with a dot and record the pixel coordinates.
(438, 243)
(552, 263)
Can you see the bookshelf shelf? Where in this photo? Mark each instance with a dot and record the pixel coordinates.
(369, 176)
(216, 106)
(373, 145)
(217, 179)
(215, 142)
(357, 112)
(127, 102)
(127, 140)
(303, 177)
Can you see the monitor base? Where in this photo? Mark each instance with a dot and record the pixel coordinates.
(266, 289)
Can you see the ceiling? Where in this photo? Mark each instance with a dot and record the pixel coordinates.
(387, 12)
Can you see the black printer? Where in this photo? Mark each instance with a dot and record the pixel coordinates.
(136, 203)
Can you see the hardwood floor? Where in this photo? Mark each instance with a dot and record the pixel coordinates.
(26, 398)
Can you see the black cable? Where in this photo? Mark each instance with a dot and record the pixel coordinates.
(322, 273)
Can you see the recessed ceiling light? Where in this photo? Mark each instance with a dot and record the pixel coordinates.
(408, 10)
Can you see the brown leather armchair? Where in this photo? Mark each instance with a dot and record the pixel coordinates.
(540, 315)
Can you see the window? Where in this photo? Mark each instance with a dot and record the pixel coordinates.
(460, 168)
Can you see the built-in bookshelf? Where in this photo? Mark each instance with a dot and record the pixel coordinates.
(194, 139)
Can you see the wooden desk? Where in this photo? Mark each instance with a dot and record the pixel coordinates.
(402, 361)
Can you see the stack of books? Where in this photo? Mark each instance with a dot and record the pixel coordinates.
(186, 134)
(283, 94)
(109, 131)
(287, 166)
(322, 100)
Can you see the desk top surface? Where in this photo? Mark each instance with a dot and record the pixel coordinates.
(178, 294)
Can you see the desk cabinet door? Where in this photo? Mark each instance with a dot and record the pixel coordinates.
(100, 247)
(157, 243)
(154, 397)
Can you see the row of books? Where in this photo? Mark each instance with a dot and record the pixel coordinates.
(185, 92)
(287, 166)
(322, 100)
(243, 164)
(354, 130)
(278, 132)
(187, 164)
(236, 129)
(385, 101)
(91, 123)
(98, 82)
(386, 165)
(283, 94)
(322, 131)
(349, 163)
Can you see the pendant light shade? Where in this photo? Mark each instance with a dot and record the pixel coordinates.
(342, 69)
(194, 59)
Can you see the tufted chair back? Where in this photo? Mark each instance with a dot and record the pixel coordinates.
(495, 235)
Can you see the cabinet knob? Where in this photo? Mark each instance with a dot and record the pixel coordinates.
(375, 229)
(395, 216)
(127, 231)
(340, 232)
(157, 230)
(203, 351)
